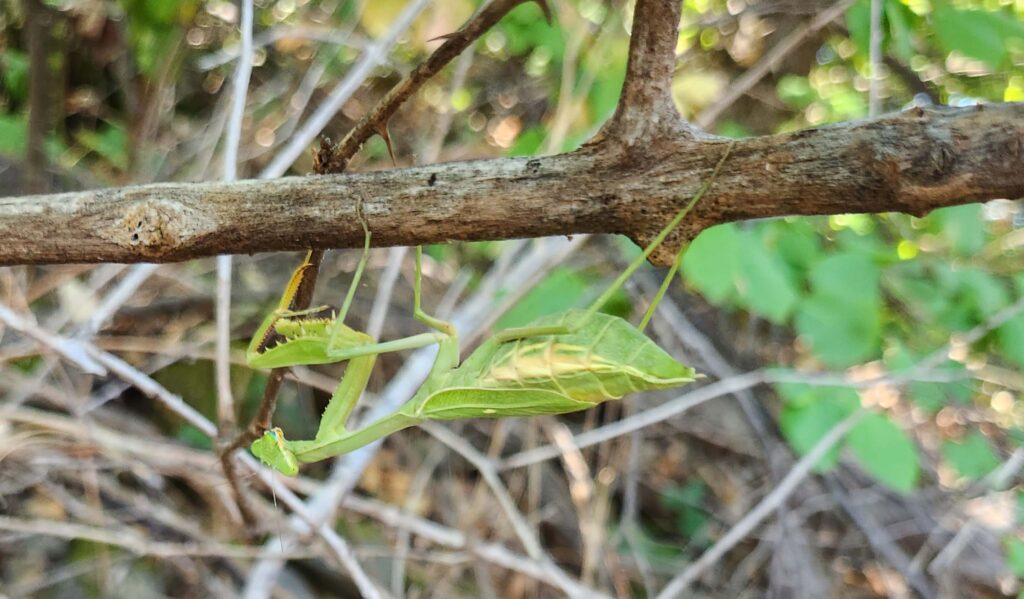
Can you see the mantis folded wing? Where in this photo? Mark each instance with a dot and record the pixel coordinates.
(558, 364)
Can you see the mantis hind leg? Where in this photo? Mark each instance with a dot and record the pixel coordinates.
(660, 237)
(432, 322)
(523, 332)
(448, 346)
(339, 322)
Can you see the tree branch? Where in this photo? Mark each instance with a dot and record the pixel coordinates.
(646, 108)
(909, 162)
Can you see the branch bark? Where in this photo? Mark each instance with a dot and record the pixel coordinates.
(908, 162)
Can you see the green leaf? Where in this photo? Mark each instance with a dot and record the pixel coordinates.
(798, 242)
(805, 424)
(921, 293)
(931, 397)
(763, 283)
(841, 319)
(110, 142)
(686, 501)
(961, 226)
(525, 29)
(885, 452)
(847, 277)
(1015, 555)
(13, 132)
(802, 394)
(712, 262)
(795, 92)
(604, 95)
(561, 290)
(847, 103)
(976, 33)
(838, 338)
(1010, 340)
(14, 73)
(858, 22)
(898, 17)
(972, 458)
(986, 293)
(528, 142)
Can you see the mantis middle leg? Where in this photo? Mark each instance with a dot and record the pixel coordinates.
(524, 332)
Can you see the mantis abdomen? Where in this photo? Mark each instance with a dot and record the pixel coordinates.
(604, 358)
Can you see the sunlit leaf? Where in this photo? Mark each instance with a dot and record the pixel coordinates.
(712, 262)
(805, 425)
(973, 457)
(980, 34)
(13, 133)
(763, 282)
(885, 452)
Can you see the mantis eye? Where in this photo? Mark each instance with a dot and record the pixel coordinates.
(271, 450)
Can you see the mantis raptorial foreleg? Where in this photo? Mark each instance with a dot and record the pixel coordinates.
(332, 437)
(315, 336)
(560, 363)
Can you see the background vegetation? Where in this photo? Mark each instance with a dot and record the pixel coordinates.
(920, 320)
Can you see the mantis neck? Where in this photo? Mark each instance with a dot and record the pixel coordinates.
(319, 449)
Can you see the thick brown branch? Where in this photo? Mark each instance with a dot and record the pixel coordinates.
(910, 162)
(645, 105)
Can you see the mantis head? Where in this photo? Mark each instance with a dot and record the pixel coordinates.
(271, 450)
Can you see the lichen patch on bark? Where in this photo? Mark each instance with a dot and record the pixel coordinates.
(150, 227)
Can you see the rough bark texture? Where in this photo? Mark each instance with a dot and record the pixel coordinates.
(911, 162)
(630, 179)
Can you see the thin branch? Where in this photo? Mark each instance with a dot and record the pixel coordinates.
(754, 517)
(524, 531)
(374, 55)
(239, 93)
(113, 301)
(134, 542)
(72, 350)
(41, 97)
(493, 553)
(646, 104)
(879, 539)
(875, 59)
(335, 159)
(769, 62)
(226, 418)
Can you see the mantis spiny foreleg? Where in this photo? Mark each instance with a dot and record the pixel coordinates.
(291, 338)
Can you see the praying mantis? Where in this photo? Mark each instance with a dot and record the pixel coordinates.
(561, 363)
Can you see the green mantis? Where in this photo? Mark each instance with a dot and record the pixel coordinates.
(558, 364)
